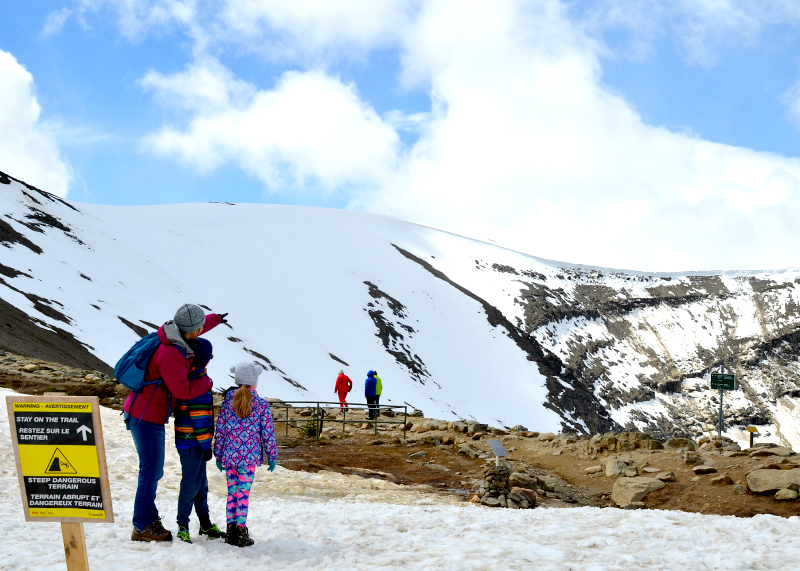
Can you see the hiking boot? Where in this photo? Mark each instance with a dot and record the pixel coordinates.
(153, 532)
(183, 534)
(232, 534)
(213, 532)
(243, 537)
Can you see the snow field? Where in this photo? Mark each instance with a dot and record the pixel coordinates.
(330, 521)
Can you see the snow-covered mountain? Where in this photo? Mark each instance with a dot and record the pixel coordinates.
(456, 327)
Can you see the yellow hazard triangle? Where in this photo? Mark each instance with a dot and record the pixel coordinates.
(59, 464)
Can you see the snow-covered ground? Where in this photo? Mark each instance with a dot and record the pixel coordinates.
(330, 521)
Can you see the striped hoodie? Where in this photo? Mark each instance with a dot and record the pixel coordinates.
(194, 419)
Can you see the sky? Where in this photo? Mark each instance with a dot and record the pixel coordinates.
(655, 135)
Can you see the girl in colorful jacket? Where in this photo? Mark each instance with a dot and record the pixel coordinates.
(244, 433)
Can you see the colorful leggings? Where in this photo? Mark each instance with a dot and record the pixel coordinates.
(240, 478)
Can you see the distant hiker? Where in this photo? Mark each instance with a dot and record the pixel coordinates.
(369, 392)
(148, 410)
(343, 386)
(194, 430)
(244, 432)
(378, 391)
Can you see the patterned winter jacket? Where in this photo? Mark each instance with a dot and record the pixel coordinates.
(194, 419)
(243, 441)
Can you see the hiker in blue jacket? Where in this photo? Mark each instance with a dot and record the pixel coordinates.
(369, 392)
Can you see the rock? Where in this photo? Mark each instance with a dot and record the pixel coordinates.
(593, 469)
(30, 368)
(305, 412)
(448, 439)
(651, 470)
(692, 459)
(723, 480)
(477, 427)
(769, 481)
(546, 436)
(630, 490)
(522, 480)
(546, 483)
(786, 495)
(420, 454)
(431, 439)
(475, 499)
(630, 472)
(519, 428)
(478, 435)
(625, 445)
(667, 477)
(388, 412)
(530, 495)
(776, 451)
(420, 428)
(684, 443)
(365, 426)
(703, 469)
(417, 413)
(468, 450)
(459, 426)
(511, 504)
(491, 502)
(740, 489)
(614, 467)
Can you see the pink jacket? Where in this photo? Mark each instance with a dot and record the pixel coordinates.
(168, 363)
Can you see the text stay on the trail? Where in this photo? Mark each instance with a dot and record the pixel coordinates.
(61, 460)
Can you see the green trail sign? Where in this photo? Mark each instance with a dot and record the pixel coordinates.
(723, 381)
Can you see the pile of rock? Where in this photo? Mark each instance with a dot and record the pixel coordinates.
(499, 489)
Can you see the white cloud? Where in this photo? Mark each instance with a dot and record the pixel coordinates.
(523, 144)
(311, 130)
(27, 150)
(55, 22)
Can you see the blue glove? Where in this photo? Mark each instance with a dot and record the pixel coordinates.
(271, 465)
(219, 465)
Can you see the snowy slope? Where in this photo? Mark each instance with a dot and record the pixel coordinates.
(301, 520)
(295, 282)
(456, 327)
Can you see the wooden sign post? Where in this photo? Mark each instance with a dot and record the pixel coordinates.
(61, 464)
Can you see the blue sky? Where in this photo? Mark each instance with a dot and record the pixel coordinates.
(607, 132)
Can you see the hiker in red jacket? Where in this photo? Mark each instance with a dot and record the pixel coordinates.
(147, 411)
(343, 386)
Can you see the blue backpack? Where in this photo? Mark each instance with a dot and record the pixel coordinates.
(130, 370)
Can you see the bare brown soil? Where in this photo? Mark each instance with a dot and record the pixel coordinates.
(387, 456)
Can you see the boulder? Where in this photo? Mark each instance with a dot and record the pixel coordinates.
(667, 477)
(530, 495)
(30, 368)
(519, 428)
(703, 469)
(774, 451)
(477, 427)
(684, 443)
(522, 480)
(770, 481)
(628, 491)
(786, 495)
(723, 480)
(614, 467)
(467, 450)
(459, 426)
(491, 502)
(593, 469)
(546, 436)
(740, 489)
(546, 483)
(691, 459)
(651, 470)
(630, 472)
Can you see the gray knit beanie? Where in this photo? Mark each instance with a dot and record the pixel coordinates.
(246, 373)
(189, 317)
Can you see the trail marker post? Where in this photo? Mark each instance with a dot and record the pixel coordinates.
(723, 382)
(498, 449)
(61, 465)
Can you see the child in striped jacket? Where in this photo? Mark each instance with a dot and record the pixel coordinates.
(194, 430)
(245, 436)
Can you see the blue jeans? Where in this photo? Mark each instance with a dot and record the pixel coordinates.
(149, 440)
(194, 487)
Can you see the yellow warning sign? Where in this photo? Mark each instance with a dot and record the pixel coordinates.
(58, 464)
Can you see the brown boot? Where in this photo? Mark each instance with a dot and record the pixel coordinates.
(243, 539)
(153, 532)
